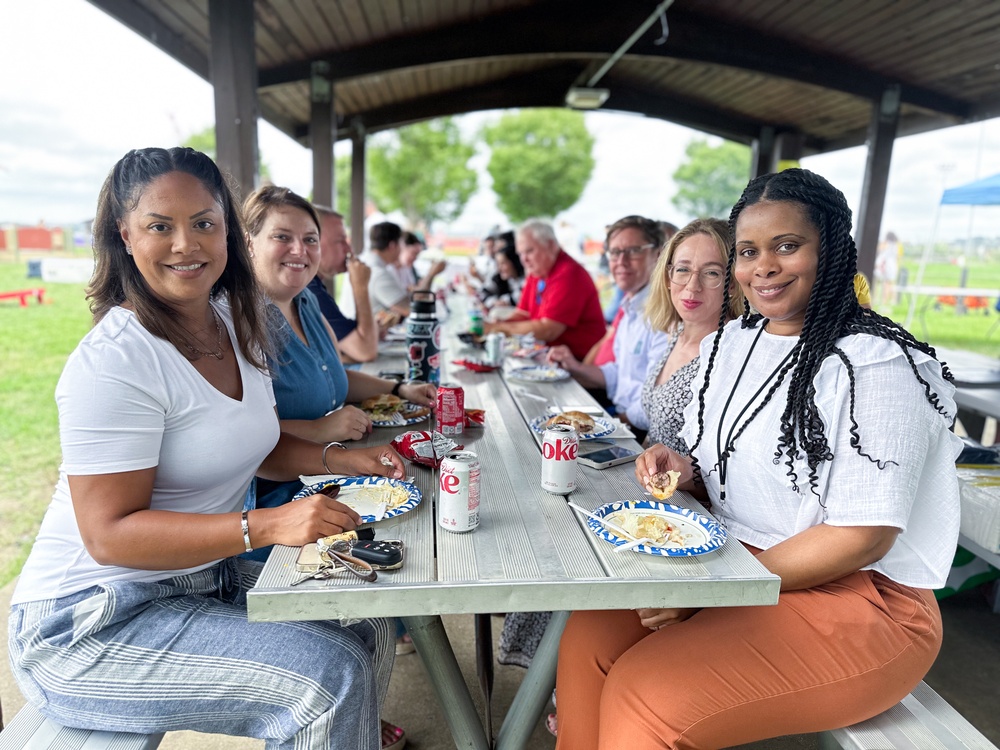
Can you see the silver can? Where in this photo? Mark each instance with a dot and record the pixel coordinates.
(458, 492)
(560, 446)
(494, 348)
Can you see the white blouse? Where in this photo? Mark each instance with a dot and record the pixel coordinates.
(916, 490)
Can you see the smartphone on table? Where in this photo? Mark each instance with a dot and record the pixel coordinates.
(605, 456)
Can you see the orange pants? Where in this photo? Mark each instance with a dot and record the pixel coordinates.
(821, 658)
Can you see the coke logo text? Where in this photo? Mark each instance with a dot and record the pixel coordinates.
(449, 483)
(560, 451)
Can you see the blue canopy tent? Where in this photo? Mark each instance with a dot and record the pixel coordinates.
(984, 192)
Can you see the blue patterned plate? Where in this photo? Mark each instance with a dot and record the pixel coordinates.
(408, 414)
(699, 533)
(539, 374)
(602, 428)
(358, 487)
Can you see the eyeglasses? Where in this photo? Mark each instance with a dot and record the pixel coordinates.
(615, 253)
(711, 278)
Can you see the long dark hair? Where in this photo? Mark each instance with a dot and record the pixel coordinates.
(832, 312)
(117, 278)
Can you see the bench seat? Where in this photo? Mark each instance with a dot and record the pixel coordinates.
(923, 720)
(29, 730)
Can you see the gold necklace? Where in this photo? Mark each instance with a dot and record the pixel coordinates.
(218, 353)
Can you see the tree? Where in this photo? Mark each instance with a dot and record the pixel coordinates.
(540, 161)
(712, 179)
(422, 170)
(204, 141)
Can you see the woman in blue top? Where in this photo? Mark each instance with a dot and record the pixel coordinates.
(311, 385)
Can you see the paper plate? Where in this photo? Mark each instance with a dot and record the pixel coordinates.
(701, 533)
(364, 505)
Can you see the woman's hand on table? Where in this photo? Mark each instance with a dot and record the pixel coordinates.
(424, 394)
(654, 619)
(659, 458)
(379, 460)
(346, 423)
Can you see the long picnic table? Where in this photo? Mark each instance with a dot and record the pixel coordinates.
(530, 553)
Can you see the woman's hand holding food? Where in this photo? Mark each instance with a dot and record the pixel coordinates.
(301, 522)
(657, 460)
(654, 619)
(346, 423)
(379, 460)
(424, 394)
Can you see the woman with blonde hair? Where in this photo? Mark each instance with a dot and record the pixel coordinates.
(686, 301)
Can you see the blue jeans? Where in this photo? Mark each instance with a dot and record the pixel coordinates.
(180, 654)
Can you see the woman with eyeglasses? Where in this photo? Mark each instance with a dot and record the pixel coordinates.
(685, 300)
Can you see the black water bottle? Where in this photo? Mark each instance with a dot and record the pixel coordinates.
(423, 338)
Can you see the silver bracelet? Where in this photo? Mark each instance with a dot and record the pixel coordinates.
(246, 531)
(328, 447)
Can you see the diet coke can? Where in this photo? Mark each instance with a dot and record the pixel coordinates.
(560, 446)
(450, 409)
(458, 495)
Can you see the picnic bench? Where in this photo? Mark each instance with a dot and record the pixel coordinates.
(31, 731)
(22, 295)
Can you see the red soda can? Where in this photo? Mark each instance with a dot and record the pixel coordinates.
(450, 414)
(560, 446)
(458, 495)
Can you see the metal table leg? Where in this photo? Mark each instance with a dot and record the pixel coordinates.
(453, 696)
(535, 688)
(484, 667)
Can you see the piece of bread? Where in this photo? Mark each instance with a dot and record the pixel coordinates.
(578, 420)
(663, 484)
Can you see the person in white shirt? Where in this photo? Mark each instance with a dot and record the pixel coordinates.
(820, 436)
(633, 246)
(166, 413)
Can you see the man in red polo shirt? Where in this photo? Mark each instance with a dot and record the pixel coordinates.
(559, 303)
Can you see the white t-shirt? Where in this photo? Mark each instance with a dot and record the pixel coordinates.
(127, 401)
(917, 494)
(384, 287)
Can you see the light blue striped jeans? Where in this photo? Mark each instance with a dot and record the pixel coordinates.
(180, 654)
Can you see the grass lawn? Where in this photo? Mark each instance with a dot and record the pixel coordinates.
(35, 341)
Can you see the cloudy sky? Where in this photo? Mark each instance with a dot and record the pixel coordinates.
(79, 90)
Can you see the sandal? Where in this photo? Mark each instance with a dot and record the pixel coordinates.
(404, 645)
(551, 724)
(393, 737)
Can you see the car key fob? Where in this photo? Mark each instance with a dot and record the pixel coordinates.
(379, 554)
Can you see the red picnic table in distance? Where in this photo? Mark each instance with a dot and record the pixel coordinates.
(23, 294)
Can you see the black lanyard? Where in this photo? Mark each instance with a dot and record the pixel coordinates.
(724, 459)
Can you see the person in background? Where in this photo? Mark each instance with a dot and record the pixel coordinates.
(820, 434)
(633, 246)
(604, 353)
(389, 299)
(559, 303)
(357, 339)
(412, 246)
(862, 291)
(504, 289)
(685, 301)
(165, 414)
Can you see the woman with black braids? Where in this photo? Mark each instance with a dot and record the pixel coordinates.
(820, 435)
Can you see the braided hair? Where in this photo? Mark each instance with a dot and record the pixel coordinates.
(832, 312)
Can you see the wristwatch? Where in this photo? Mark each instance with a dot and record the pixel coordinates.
(395, 388)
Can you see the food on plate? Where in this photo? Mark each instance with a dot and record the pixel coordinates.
(384, 407)
(663, 483)
(652, 526)
(475, 417)
(393, 495)
(579, 421)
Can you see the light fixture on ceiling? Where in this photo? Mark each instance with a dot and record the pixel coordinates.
(580, 97)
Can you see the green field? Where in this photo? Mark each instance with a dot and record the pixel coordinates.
(35, 341)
